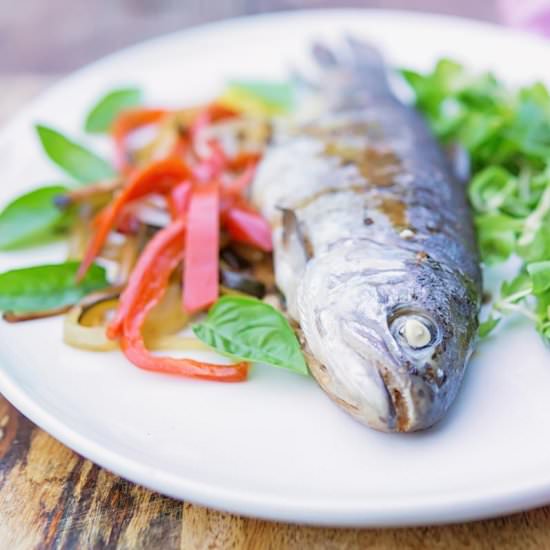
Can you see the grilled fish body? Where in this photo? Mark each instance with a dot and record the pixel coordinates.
(374, 248)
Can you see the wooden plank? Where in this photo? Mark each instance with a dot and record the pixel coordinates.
(52, 498)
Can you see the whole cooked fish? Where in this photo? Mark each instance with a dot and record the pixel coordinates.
(374, 247)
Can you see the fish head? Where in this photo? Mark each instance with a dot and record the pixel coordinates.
(392, 331)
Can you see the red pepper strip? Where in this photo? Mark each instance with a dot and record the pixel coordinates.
(158, 177)
(128, 224)
(248, 227)
(162, 254)
(211, 113)
(241, 182)
(145, 289)
(181, 147)
(212, 166)
(134, 349)
(221, 112)
(243, 160)
(200, 270)
(178, 199)
(125, 123)
(97, 220)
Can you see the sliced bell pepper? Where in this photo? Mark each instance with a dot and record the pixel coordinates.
(243, 160)
(145, 290)
(125, 123)
(161, 255)
(214, 112)
(128, 223)
(181, 147)
(178, 199)
(248, 227)
(134, 349)
(201, 266)
(239, 185)
(158, 177)
(212, 166)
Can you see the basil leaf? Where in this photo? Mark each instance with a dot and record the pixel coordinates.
(46, 287)
(247, 329)
(76, 160)
(101, 116)
(30, 216)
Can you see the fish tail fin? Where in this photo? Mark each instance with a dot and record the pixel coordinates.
(359, 66)
(367, 57)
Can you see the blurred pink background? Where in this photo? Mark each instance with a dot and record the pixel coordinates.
(56, 36)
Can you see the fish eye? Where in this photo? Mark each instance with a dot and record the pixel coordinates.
(415, 330)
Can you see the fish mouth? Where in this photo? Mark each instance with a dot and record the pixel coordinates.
(409, 399)
(413, 401)
(399, 407)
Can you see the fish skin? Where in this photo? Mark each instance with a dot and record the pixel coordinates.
(372, 234)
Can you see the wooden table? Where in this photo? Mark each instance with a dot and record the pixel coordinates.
(52, 498)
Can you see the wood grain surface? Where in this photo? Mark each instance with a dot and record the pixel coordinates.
(52, 498)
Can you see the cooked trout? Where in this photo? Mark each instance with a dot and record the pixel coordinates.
(374, 247)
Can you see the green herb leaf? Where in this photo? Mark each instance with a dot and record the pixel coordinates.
(540, 276)
(516, 289)
(487, 326)
(247, 329)
(74, 159)
(259, 96)
(46, 287)
(495, 245)
(101, 116)
(490, 188)
(507, 134)
(31, 216)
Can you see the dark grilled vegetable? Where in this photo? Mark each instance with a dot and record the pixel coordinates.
(242, 283)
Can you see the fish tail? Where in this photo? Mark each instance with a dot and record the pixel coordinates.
(360, 65)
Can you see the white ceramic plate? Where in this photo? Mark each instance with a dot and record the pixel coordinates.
(275, 446)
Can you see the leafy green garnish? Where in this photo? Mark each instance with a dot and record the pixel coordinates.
(506, 132)
(74, 159)
(259, 97)
(101, 116)
(487, 326)
(539, 272)
(248, 329)
(31, 216)
(46, 287)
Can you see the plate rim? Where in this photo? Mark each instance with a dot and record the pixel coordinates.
(433, 509)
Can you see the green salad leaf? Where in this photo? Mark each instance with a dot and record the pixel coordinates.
(46, 287)
(487, 326)
(260, 97)
(31, 217)
(539, 272)
(74, 159)
(248, 329)
(101, 116)
(506, 132)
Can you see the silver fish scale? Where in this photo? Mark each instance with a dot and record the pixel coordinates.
(373, 239)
